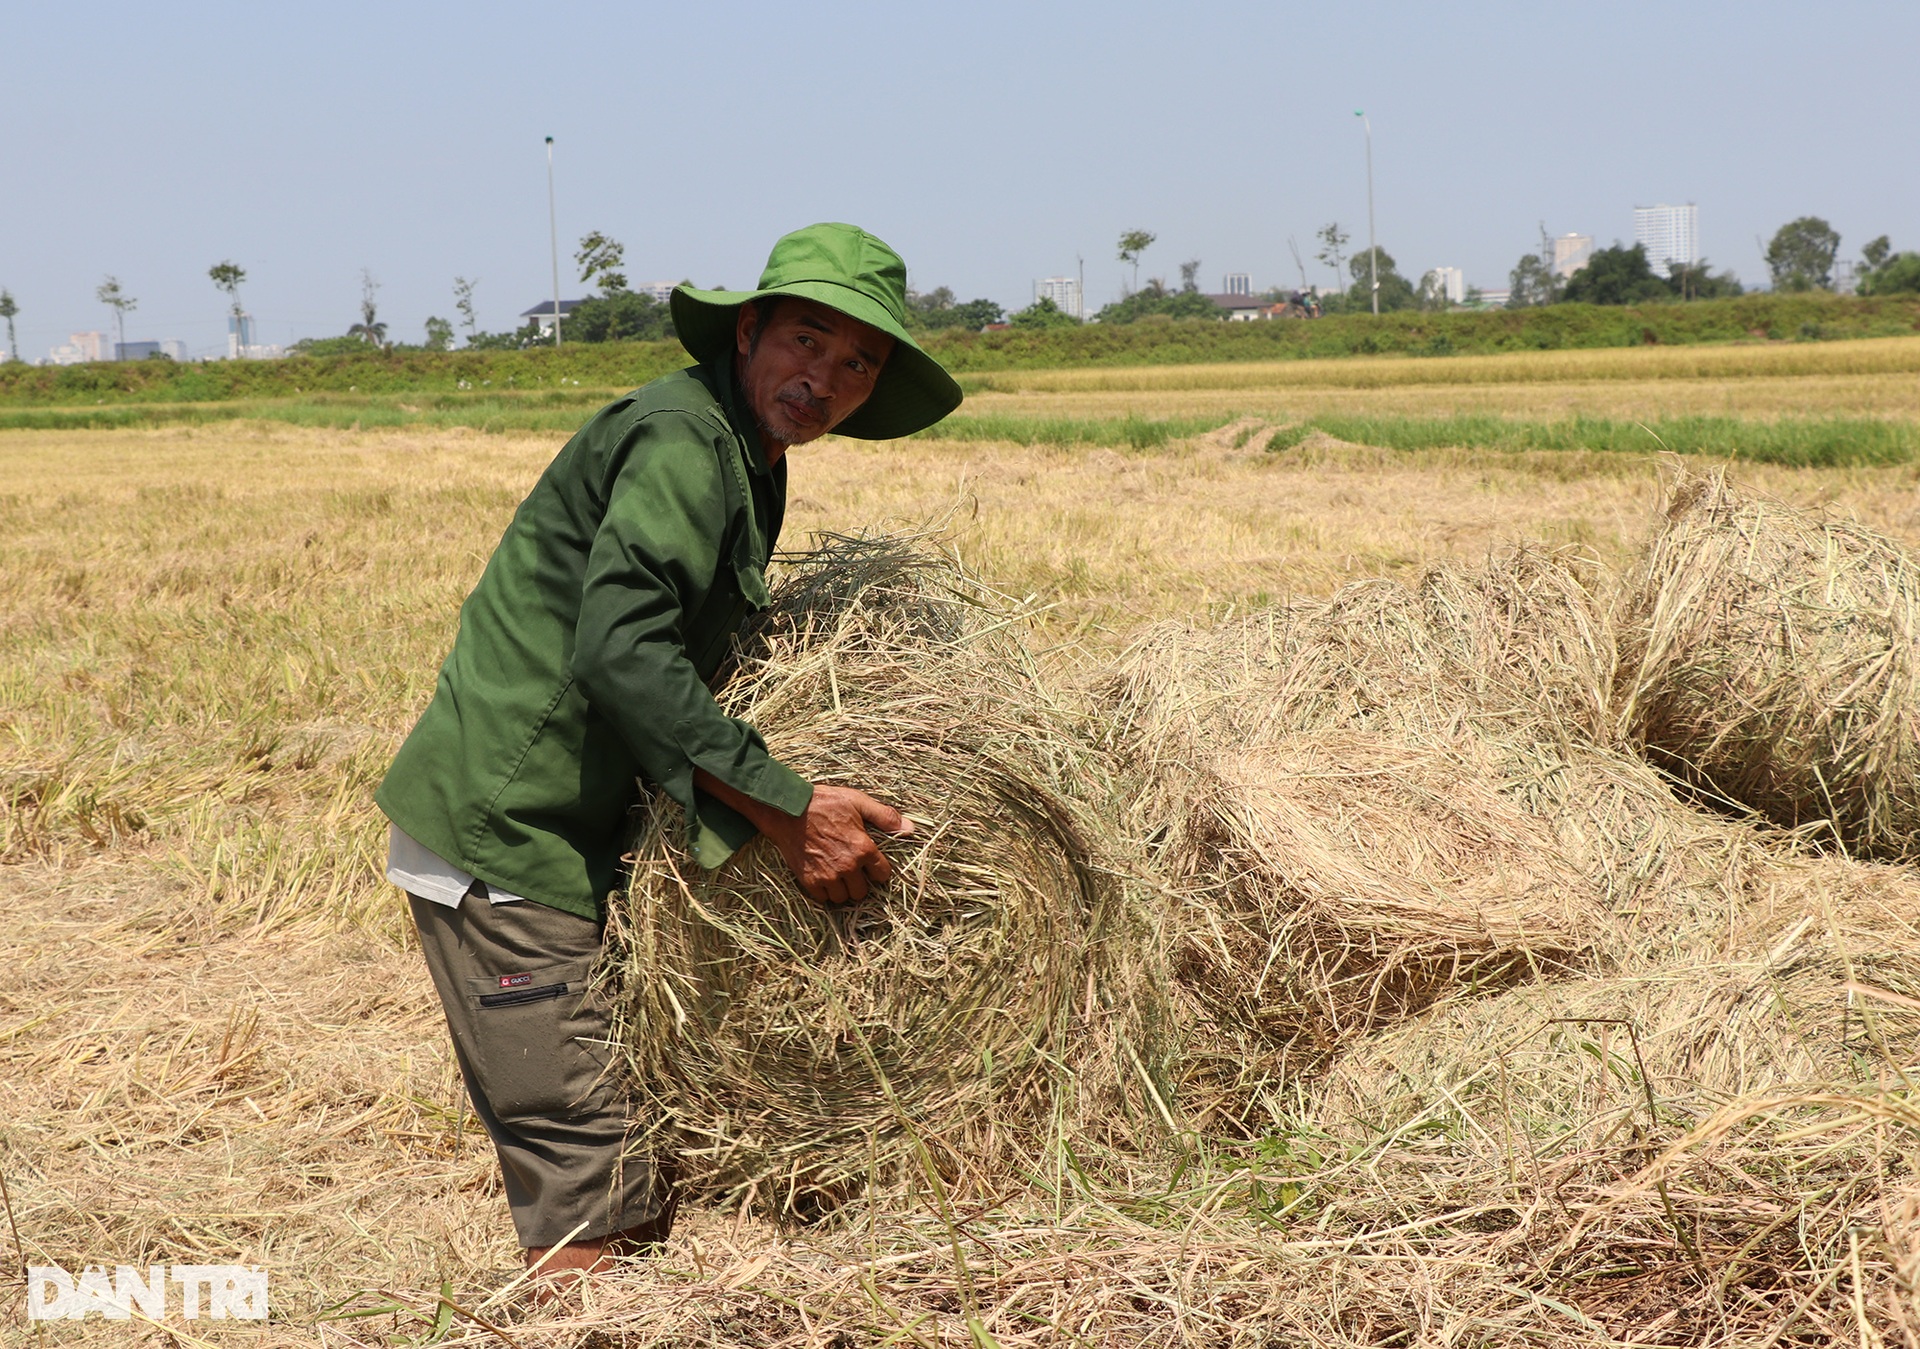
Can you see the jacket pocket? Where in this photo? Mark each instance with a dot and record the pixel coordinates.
(539, 1043)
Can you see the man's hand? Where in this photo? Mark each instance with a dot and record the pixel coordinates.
(829, 849)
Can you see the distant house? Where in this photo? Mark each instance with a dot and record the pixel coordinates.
(542, 314)
(1243, 308)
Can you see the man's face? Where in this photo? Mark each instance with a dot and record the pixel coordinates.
(806, 369)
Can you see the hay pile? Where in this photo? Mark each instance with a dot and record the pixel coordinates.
(1770, 659)
(1338, 881)
(1467, 1026)
(1719, 1143)
(998, 994)
(1522, 647)
(1379, 801)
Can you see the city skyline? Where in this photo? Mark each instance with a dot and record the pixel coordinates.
(306, 146)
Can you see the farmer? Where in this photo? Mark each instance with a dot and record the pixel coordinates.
(581, 665)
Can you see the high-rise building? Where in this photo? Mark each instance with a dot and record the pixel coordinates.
(1452, 283)
(239, 336)
(1670, 233)
(661, 291)
(1238, 283)
(1571, 252)
(81, 347)
(1064, 291)
(175, 348)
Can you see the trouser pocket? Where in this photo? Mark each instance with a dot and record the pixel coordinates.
(538, 1042)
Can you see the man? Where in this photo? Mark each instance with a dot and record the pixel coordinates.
(581, 665)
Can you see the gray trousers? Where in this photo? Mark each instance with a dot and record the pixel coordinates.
(532, 1046)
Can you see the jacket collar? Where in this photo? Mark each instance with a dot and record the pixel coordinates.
(727, 389)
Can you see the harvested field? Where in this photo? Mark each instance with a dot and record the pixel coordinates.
(218, 1045)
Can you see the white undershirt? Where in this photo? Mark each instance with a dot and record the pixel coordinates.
(420, 872)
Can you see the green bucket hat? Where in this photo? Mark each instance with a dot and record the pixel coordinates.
(849, 270)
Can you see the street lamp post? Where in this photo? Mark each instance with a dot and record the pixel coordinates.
(1373, 251)
(553, 240)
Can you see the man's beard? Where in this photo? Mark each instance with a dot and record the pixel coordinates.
(799, 431)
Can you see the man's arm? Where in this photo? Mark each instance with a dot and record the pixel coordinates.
(654, 556)
(828, 847)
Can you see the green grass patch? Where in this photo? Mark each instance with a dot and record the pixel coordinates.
(1813, 442)
(1137, 433)
(550, 410)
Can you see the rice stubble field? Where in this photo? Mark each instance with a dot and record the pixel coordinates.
(218, 1044)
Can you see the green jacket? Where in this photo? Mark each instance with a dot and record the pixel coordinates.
(584, 653)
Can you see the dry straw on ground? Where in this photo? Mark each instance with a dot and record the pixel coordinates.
(1771, 659)
(999, 995)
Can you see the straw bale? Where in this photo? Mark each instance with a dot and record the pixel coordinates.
(1337, 881)
(1769, 658)
(1520, 646)
(1000, 992)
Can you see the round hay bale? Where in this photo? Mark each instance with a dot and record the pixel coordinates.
(1770, 657)
(1336, 882)
(998, 994)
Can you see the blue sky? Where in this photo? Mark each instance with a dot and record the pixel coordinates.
(990, 143)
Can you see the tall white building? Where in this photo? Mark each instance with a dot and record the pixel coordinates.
(1571, 252)
(1239, 283)
(1064, 291)
(1452, 283)
(661, 291)
(1671, 234)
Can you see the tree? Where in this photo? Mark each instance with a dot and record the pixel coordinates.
(1697, 281)
(120, 302)
(1532, 282)
(1189, 274)
(368, 329)
(7, 310)
(1333, 243)
(1155, 299)
(937, 309)
(600, 257)
(1802, 253)
(1892, 275)
(1615, 275)
(1132, 244)
(623, 316)
(463, 301)
(1396, 292)
(529, 334)
(1875, 254)
(228, 275)
(439, 335)
(1043, 313)
(1431, 293)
